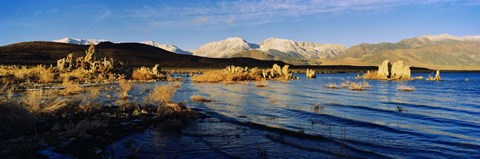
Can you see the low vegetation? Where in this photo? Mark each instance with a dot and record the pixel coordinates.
(45, 117)
(161, 94)
(44, 106)
(87, 69)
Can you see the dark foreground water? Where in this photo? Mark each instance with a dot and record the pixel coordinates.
(437, 120)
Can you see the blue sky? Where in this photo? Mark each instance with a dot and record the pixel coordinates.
(191, 23)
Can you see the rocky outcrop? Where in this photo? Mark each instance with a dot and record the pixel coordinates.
(400, 71)
(90, 62)
(436, 78)
(387, 71)
(310, 73)
(277, 72)
(384, 70)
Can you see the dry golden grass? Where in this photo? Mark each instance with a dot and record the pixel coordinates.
(372, 75)
(198, 98)
(209, 77)
(6, 90)
(261, 83)
(74, 74)
(177, 84)
(162, 94)
(38, 73)
(42, 101)
(46, 75)
(405, 88)
(70, 88)
(125, 87)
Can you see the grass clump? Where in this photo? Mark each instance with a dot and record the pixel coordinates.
(332, 86)
(359, 86)
(70, 88)
(261, 83)
(124, 88)
(6, 91)
(161, 94)
(42, 101)
(371, 75)
(177, 84)
(198, 98)
(405, 88)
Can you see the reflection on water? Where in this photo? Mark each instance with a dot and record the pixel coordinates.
(439, 120)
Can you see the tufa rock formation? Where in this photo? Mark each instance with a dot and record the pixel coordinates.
(89, 63)
(400, 71)
(436, 78)
(310, 73)
(387, 71)
(277, 72)
(384, 70)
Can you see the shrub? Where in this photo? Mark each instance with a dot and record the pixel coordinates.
(125, 87)
(45, 75)
(162, 94)
(42, 101)
(70, 87)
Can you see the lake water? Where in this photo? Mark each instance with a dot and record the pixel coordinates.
(440, 119)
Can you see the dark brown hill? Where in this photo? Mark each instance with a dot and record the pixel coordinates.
(132, 54)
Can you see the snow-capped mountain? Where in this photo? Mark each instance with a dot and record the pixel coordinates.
(224, 48)
(171, 48)
(307, 50)
(79, 41)
(443, 37)
(274, 47)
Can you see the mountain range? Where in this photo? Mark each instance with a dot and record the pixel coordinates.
(430, 51)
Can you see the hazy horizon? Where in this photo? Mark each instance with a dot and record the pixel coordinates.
(190, 24)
